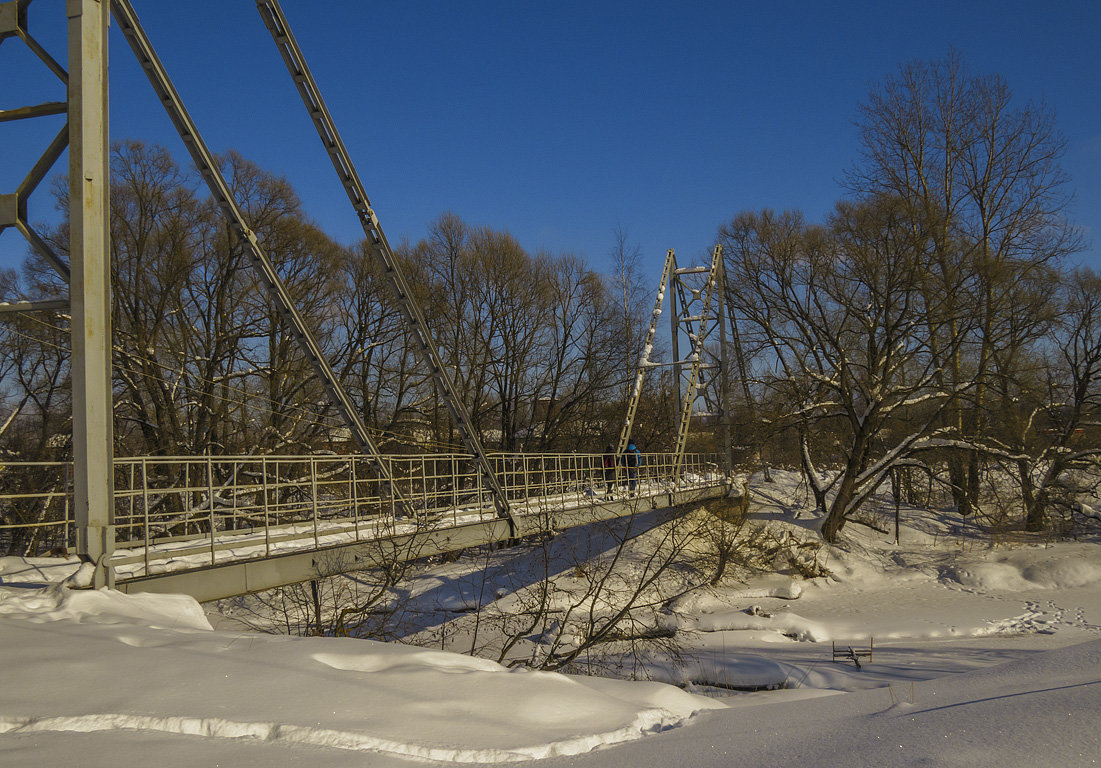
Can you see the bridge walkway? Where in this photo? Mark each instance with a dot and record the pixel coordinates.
(216, 527)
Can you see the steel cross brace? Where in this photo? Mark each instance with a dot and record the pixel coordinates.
(276, 23)
(13, 206)
(671, 280)
(219, 189)
(644, 357)
(697, 345)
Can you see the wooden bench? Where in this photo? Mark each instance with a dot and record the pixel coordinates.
(853, 653)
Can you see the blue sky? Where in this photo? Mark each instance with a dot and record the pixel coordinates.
(561, 121)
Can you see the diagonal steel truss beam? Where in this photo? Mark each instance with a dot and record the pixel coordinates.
(644, 358)
(292, 55)
(139, 42)
(13, 23)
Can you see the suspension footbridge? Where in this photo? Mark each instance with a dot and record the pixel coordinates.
(215, 526)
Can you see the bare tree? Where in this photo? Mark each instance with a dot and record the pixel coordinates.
(981, 182)
(842, 315)
(579, 369)
(1056, 452)
(35, 425)
(374, 354)
(598, 595)
(628, 283)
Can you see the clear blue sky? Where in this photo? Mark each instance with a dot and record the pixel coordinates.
(561, 121)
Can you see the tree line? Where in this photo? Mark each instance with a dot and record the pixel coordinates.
(204, 363)
(932, 325)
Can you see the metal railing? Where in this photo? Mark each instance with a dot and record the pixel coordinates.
(36, 507)
(181, 512)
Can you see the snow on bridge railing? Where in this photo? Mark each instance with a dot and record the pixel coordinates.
(189, 511)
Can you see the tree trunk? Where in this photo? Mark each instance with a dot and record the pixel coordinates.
(957, 479)
(835, 519)
(812, 476)
(1034, 512)
(833, 524)
(315, 590)
(1028, 496)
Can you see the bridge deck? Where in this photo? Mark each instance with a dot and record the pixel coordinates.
(247, 567)
(215, 527)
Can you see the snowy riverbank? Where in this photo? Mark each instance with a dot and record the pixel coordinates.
(983, 656)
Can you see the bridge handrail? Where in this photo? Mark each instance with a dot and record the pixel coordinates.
(167, 503)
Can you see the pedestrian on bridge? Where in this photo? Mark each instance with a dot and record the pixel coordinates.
(632, 457)
(608, 462)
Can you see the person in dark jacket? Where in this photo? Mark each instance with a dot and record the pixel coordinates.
(632, 457)
(608, 461)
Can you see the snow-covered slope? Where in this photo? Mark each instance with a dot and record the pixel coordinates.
(984, 656)
(109, 663)
(1040, 711)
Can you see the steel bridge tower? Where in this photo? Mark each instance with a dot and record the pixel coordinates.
(88, 269)
(697, 315)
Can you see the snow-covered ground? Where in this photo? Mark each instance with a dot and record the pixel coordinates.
(982, 656)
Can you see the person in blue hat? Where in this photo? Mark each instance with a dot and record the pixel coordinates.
(632, 457)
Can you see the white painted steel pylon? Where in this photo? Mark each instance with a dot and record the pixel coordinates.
(644, 358)
(697, 310)
(88, 272)
(88, 269)
(691, 297)
(90, 287)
